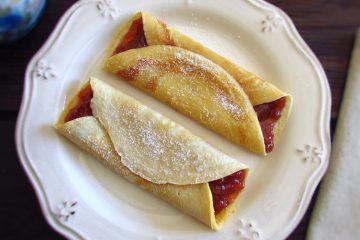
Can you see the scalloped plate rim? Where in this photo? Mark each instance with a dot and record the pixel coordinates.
(292, 32)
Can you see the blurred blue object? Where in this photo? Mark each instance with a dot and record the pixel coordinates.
(18, 17)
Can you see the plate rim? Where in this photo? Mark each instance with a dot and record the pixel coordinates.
(291, 32)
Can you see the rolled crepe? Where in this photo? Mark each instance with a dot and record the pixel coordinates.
(194, 86)
(264, 101)
(153, 152)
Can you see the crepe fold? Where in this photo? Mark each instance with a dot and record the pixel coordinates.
(138, 52)
(150, 151)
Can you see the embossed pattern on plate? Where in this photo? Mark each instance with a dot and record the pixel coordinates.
(77, 193)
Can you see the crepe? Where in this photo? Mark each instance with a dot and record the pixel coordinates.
(152, 152)
(145, 36)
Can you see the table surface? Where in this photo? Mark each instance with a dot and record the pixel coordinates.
(328, 26)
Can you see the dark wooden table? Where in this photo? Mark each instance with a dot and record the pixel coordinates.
(328, 26)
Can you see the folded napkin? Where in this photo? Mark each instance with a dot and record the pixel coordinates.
(337, 211)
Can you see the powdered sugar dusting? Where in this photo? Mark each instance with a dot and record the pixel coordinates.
(229, 105)
(154, 138)
(196, 87)
(149, 138)
(154, 147)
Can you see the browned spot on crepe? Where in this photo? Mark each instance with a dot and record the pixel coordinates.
(167, 34)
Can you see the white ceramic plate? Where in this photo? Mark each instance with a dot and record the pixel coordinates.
(82, 199)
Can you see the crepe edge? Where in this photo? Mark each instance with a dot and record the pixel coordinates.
(281, 123)
(104, 92)
(203, 212)
(125, 61)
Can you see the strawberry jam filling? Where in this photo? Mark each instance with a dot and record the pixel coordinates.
(134, 38)
(268, 114)
(225, 190)
(82, 108)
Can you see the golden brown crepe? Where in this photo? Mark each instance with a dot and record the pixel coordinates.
(194, 86)
(135, 54)
(149, 150)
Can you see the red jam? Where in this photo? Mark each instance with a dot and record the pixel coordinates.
(82, 108)
(268, 114)
(225, 190)
(134, 38)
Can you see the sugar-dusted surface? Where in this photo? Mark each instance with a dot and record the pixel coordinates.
(194, 86)
(154, 147)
